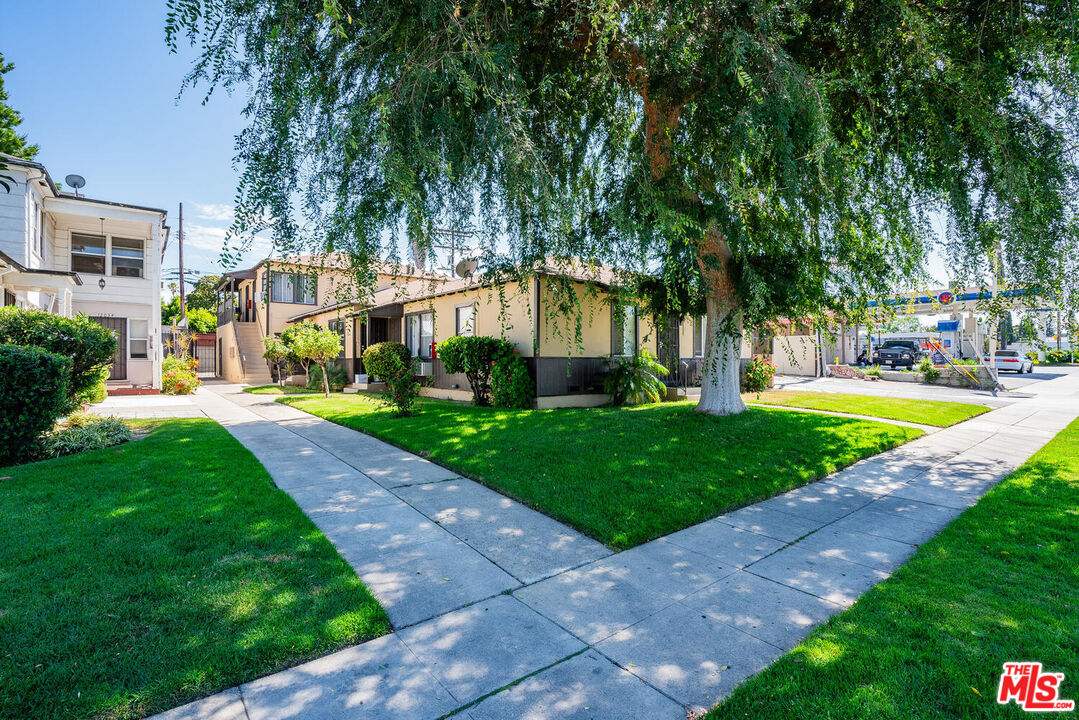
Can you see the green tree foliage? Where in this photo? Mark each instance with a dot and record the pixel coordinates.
(201, 320)
(784, 157)
(277, 354)
(203, 296)
(316, 345)
(11, 142)
(904, 324)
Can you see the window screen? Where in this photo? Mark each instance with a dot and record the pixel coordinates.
(465, 323)
(126, 257)
(88, 253)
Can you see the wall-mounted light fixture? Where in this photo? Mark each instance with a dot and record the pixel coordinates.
(101, 283)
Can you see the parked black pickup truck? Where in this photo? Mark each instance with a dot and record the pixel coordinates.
(898, 353)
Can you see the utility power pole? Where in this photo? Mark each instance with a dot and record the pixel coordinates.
(183, 293)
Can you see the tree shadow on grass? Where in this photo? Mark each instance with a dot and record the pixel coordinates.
(165, 571)
(625, 475)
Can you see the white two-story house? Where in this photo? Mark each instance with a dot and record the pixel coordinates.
(68, 254)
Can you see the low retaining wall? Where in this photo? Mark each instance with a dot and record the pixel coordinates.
(949, 376)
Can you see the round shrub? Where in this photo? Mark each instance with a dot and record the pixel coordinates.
(33, 394)
(384, 359)
(89, 345)
(474, 356)
(511, 385)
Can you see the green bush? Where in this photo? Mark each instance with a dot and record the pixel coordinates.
(97, 392)
(635, 380)
(511, 385)
(758, 374)
(474, 356)
(872, 371)
(378, 360)
(83, 432)
(930, 373)
(338, 377)
(402, 386)
(89, 345)
(33, 394)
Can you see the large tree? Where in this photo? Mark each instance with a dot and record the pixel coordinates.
(784, 158)
(11, 142)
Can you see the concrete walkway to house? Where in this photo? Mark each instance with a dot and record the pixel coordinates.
(503, 613)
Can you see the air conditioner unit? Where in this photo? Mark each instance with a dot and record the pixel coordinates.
(425, 369)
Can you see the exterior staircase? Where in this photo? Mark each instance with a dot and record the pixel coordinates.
(256, 371)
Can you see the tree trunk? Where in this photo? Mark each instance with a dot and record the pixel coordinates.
(720, 381)
(720, 376)
(325, 381)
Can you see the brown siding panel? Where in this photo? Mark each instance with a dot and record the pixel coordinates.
(566, 375)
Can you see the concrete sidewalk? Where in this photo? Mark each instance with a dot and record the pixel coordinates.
(504, 613)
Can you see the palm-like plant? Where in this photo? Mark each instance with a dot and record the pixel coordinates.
(635, 380)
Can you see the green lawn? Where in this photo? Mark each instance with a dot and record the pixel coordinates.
(140, 577)
(927, 412)
(278, 390)
(1001, 583)
(622, 475)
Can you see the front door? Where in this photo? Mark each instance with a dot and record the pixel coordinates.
(119, 358)
(667, 347)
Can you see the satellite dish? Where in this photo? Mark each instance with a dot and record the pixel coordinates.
(465, 268)
(75, 181)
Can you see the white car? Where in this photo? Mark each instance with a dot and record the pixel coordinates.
(1011, 360)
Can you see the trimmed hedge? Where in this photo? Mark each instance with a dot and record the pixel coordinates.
(33, 394)
(89, 346)
(377, 359)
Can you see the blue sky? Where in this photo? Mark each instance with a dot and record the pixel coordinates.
(97, 89)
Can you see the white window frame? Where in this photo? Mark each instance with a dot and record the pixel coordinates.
(626, 350)
(469, 329)
(37, 233)
(414, 335)
(296, 288)
(108, 252)
(700, 335)
(132, 338)
(104, 255)
(113, 257)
